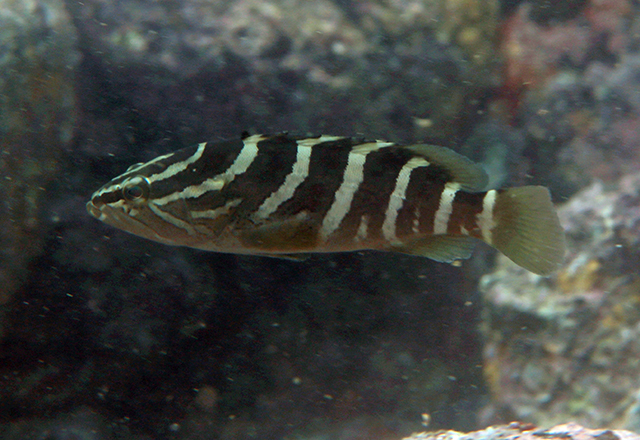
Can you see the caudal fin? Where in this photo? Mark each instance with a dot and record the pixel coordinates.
(527, 230)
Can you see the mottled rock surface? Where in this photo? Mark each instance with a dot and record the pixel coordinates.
(38, 111)
(570, 87)
(523, 431)
(567, 347)
(406, 70)
(563, 348)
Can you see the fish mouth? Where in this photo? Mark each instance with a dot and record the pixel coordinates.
(119, 219)
(95, 211)
(114, 217)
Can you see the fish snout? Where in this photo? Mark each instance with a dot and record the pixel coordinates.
(93, 209)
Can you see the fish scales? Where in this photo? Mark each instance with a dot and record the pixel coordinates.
(265, 173)
(372, 198)
(212, 162)
(315, 194)
(281, 194)
(466, 207)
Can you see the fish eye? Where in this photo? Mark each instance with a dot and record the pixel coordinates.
(135, 189)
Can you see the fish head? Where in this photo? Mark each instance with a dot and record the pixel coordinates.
(136, 202)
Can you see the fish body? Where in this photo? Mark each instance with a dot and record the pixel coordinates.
(280, 195)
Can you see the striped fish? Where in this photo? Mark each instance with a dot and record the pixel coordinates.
(281, 195)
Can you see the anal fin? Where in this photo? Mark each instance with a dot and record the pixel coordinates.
(443, 248)
(300, 257)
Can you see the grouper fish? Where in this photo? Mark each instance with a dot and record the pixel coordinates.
(285, 195)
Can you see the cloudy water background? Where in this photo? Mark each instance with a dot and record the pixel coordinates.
(104, 335)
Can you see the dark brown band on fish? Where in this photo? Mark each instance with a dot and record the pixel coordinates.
(315, 194)
(215, 159)
(463, 219)
(380, 169)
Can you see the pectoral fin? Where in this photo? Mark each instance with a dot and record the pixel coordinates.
(443, 248)
(295, 234)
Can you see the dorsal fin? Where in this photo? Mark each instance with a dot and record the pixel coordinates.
(471, 176)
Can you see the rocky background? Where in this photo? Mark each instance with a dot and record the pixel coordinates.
(528, 431)
(107, 336)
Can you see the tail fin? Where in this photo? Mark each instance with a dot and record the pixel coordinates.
(527, 229)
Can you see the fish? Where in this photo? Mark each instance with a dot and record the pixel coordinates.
(283, 195)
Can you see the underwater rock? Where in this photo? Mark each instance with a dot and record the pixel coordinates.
(398, 70)
(571, 86)
(533, 52)
(527, 431)
(584, 127)
(37, 117)
(566, 347)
